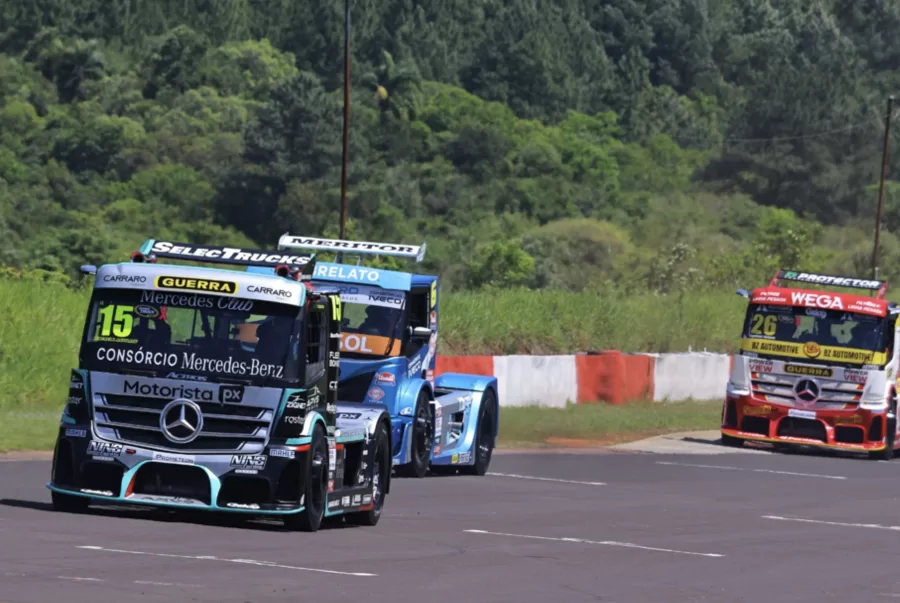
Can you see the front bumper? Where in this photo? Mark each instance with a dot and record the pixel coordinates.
(859, 430)
(268, 483)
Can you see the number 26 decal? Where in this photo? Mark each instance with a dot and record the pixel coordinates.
(763, 325)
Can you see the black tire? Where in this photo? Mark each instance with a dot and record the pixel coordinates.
(422, 439)
(67, 503)
(483, 447)
(381, 472)
(732, 442)
(315, 489)
(890, 436)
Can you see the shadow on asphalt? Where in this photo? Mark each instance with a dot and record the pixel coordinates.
(792, 449)
(205, 518)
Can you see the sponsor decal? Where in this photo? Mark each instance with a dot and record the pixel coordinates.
(282, 293)
(375, 393)
(315, 397)
(146, 311)
(249, 461)
(345, 501)
(367, 499)
(454, 459)
(835, 281)
(385, 378)
(200, 302)
(123, 278)
(234, 255)
(331, 485)
(334, 504)
(357, 499)
(107, 449)
(155, 390)
(334, 358)
(234, 505)
(437, 450)
(438, 425)
(296, 401)
(757, 411)
(231, 394)
(187, 377)
(853, 419)
(294, 420)
(178, 459)
(368, 344)
(814, 371)
(817, 300)
(192, 362)
(196, 284)
(415, 367)
(813, 350)
(76, 433)
(856, 376)
(762, 366)
(339, 245)
(350, 273)
(465, 457)
(406, 411)
(385, 298)
(282, 453)
(349, 416)
(801, 414)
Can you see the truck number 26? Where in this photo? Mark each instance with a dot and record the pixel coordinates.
(763, 325)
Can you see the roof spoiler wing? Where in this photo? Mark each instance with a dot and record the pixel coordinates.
(416, 252)
(216, 254)
(831, 281)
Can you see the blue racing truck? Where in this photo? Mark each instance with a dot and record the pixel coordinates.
(389, 334)
(212, 389)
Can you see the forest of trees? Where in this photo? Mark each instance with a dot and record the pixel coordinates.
(646, 144)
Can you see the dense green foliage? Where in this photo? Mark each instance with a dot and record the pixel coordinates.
(653, 144)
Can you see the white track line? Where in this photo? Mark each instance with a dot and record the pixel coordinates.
(76, 579)
(833, 523)
(754, 470)
(151, 583)
(599, 542)
(241, 561)
(548, 479)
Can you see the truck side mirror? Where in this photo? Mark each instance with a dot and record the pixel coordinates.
(743, 293)
(89, 269)
(421, 333)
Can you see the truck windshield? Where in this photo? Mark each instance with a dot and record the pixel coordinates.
(819, 332)
(372, 320)
(191, 336)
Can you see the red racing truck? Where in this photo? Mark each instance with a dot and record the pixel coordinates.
(816, 368)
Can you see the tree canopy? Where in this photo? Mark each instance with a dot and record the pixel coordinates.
(564, 144)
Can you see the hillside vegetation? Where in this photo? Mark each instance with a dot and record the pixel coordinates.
(650, 146)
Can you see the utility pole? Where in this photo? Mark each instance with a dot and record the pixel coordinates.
(884, 163)
(346, 118)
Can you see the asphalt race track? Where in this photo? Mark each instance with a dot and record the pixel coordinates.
(557, 528)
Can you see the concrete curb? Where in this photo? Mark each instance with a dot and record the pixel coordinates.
(687, 442)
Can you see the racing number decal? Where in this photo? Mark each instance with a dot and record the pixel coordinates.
(336, 308)
(433, 294)
(763, 325)
(116, 321)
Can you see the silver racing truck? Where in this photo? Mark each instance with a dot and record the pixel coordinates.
(214, 389)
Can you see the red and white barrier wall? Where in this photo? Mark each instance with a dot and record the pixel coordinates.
(611, 377)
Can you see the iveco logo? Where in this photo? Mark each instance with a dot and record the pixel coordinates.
(181, 421)
(807, 391)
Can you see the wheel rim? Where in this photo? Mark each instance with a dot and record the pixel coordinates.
(422, 429)
(484, 439)
(318, 482)
(377, 491)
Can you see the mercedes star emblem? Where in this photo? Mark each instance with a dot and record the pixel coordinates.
(807, 391)
(181, 421)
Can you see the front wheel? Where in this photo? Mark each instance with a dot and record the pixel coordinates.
(315, 488)
(484, 438)
(381, 471)
(890, 438)
(421, 439)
